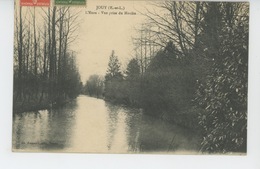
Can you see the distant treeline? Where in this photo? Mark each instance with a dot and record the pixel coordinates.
(94, 86)
(45, 71)
(191, 68)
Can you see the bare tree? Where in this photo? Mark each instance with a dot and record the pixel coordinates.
(42, 56)
(179, 22)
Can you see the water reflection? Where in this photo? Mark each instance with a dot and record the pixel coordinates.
(90, 134)
(45, 129)
(95, 126)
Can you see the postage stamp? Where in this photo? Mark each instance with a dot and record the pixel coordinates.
(34, 2)
(70, 2)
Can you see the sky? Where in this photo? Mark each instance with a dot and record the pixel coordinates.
(99, 34)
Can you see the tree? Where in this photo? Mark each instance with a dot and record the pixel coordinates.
(113, 70)
(179, 23)
(168, 83)
(223, 95)
(95, 86)
(45, 70)
(133, 70)
(133, 83)
(211, 38)
(145, 47)
(113, 79)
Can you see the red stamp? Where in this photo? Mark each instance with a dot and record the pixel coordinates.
(35, 3)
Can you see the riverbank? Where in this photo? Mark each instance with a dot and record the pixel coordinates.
(36, 104)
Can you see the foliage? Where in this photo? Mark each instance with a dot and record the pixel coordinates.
(133, 70)
(132, 82)
(45, 70)
(94, 86)
(223, 94)
(198, 76)
(113, 78)
(168, 83)
(113, 71)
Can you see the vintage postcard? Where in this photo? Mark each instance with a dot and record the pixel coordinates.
(109, 76)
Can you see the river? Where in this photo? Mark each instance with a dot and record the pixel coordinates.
(92, 125)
